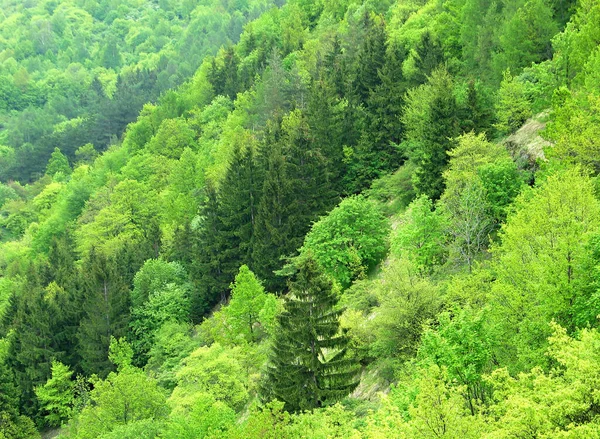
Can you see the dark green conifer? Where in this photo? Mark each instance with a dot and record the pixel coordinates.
(105, 309)
(309, 366)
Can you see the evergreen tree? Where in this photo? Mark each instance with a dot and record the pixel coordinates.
(431, 121)
(32, 346)
(325, 116)
(309, 366)
(105, 308)
(378, 150)
(210, 271)
(239, 195)
(371, 57)
(272, 228)
(296, 191)
(429, 55)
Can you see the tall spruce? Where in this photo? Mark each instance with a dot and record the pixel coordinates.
(215, 265)
(105, 309)
(309, 365)
(296, 191)
(239, 195)
(431, 122)
(272, 228)
(378, 151)
(32, 345)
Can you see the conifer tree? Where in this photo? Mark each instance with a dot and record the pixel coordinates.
(371, 57)
(429, 56)
(309, 366)
(431, 121)
(32, 345)
(272, 228)
(378, 150)
(106, 311)
(296, 191)
(239, 195)
(210, 271)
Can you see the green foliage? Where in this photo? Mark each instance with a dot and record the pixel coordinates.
(420, 235)
(126, 397)
(217, 371)
(538, 264)
(407, 302)
(431, 119)
(58, 164)
(350, 240)
(309, 366)
(232, 165)
(556, 404)
(57, 395)
(249, 315)
(462, 345)
(513, 107)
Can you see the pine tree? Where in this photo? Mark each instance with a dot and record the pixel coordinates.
(309, 366)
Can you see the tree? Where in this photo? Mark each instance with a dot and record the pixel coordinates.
(57, 395)
(58, 164)
(106, 311)
(309, 365)
(250, 310)
(124, 397)
(431, 122)
(539, 266)
(211, 276)
(420, 237)
(348, 241)
(239, 196)
(512, 107)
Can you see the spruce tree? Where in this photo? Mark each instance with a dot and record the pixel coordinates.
(378, 150)
(211, 272)
(431, 121)
(296, 191)
(371, 57)
(309, 366)
(272, 228)
(105, 309)
(239, 194)
(429, 56)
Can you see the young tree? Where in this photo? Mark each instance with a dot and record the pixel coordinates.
(57, 395)
(350, 240)
(245, 312)
(309, 366)
(58, 164)
(420, 237)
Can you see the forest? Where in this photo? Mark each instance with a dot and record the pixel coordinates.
(328, 219)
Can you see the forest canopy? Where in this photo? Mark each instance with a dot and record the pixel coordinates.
(304, 218)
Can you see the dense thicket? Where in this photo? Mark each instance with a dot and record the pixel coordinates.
(358, 219)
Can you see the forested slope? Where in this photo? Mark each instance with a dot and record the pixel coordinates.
(77, 72)
(326, 230)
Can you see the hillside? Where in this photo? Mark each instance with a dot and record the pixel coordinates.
(302, 219)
